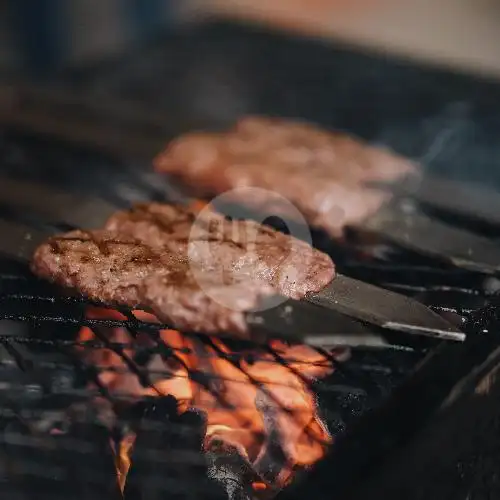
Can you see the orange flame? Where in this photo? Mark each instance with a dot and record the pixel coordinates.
(231, 403)
(123, 459)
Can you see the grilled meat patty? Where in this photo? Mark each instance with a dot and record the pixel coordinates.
(103, 265)
(108, 267)
(320, 172)
(243, 249)
(195, 273)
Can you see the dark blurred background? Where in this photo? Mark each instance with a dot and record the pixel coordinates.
(43, 35)
(126, 75)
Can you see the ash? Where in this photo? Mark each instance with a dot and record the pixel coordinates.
(230, 471)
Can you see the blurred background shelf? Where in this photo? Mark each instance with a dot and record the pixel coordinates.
(458, 33)
(207, 75)
(462, 34)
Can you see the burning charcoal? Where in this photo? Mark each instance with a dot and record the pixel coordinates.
(272, 460)
(37, 381)
(57, 466)
(29, 463)
(166, 458)
(190, 430)
(92, 468)
(287, 428)
(98, 410)
(161, 409)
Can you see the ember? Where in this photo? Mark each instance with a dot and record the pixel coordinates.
(256, 403)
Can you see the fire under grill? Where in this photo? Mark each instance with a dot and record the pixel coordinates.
(61, 410)
(106, 403)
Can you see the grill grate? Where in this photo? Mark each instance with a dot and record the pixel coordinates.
(48, 410)
(44, 382)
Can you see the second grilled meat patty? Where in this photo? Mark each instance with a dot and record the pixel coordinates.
(319, 171)
(243, 249)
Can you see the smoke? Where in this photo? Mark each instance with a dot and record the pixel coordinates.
(446, 132)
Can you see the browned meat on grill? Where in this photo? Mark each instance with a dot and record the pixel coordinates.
(211, 308)
(103, 265)
(109, 267)
(157, 224)
(319, 171)
(241, 249)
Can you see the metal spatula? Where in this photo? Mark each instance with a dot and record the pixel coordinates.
(402, 222)
(472, 201)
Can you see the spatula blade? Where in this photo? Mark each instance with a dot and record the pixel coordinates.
(403, 224)
(308, 323)
(383, 308)
(468, 200)
(19, 241)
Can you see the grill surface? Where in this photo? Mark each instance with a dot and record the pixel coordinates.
(447, 120)
(43, 378)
